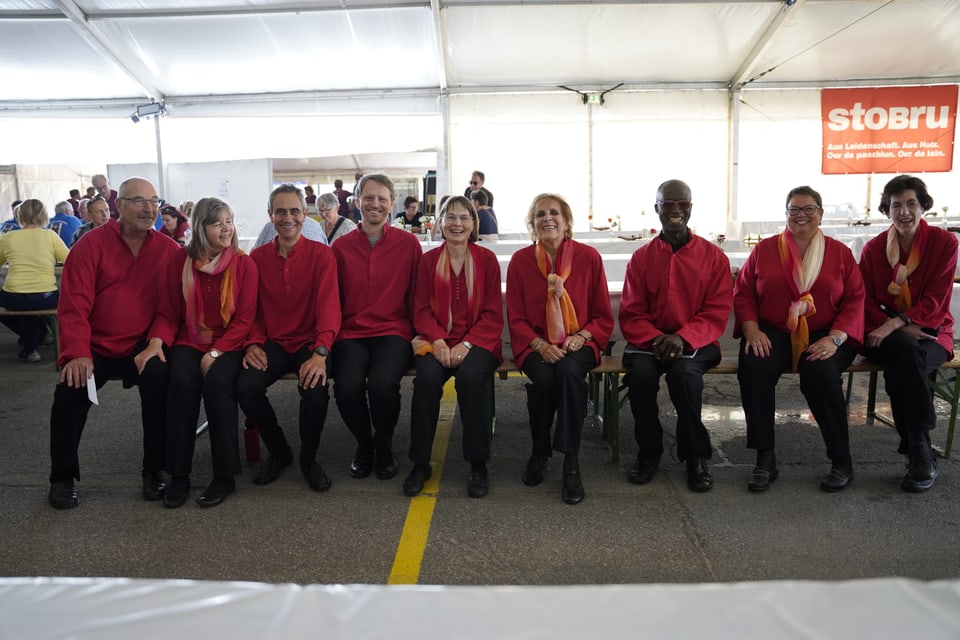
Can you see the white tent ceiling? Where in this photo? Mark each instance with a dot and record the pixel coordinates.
(303, 55)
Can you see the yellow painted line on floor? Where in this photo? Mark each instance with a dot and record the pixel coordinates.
(416, 528)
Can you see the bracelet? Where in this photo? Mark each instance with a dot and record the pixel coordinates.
(539, 345)
(585, 338)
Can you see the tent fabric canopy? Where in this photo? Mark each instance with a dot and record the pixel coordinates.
(106, 56)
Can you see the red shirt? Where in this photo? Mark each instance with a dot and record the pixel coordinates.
(487, 331)
(688, 293)
(377, 283)
(108, 296)
(931, 283)
(299, 298)
(763, 294)
(170, 325)
(527, 298)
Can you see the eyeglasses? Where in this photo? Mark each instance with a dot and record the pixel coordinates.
(670, 205)
(474, 182)
(809, 210)
(139, 202)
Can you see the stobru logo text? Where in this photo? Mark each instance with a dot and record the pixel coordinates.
(878, 118)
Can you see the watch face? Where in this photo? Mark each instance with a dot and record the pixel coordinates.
(837, 341)
(321, 351)
(214, 353)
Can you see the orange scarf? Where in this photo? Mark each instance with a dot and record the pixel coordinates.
(561, 316)
(899, 287)
(441, 295)
(193, 297)
(800, 274)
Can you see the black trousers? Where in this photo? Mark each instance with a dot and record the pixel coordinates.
(821, 382)
(684, 378)
(29, 328)
(370, 369)
(70, 407)
(907, 365)
(251, 390)
(471, 379)
(187, 386)
(558, 390)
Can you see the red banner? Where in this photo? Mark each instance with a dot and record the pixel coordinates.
(888, 130)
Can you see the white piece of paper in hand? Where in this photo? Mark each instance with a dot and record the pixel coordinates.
(92, 390)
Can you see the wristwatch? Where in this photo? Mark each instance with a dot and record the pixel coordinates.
(837, 340)
(467, 344)
(214, 353)
(322, 351)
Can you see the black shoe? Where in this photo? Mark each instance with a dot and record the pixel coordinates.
(317, 478)
(642, 470)
(838, 477)
(413, 485)
(387, 465)
(362, 465)
(153, 485)
(921, 469)
(216, 492)
(760, 479)
(478, 483)
(698, 477)
(572, 492)
(63, 495)
(270, 470)
(177, 493)
(533, 473)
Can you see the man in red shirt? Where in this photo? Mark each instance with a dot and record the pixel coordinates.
(377, 267)
(102, 185)
(677, 297)
(298, 317)
(108, 299)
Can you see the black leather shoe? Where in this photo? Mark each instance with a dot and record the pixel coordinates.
(177, 493)
(317, 478)
(413, 485)
(63, 495)
(572, 492)
(270, 470)
(698, 476)
(642, 470)
(921, 469)
(533, 473)
(217, 492)
(760, 479)
(362, 465)
(153, 485)
(478, 483)
(837, 479)
(387, 465)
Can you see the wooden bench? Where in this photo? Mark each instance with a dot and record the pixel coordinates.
(944, 383)
(50, 314)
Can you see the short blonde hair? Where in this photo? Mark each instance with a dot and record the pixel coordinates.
(565, 211)
(32, 211)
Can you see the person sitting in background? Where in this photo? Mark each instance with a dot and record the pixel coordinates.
(31, 283)
(458, 317)
(12, 224)
(97, 213)
(298, 317)
(311, 200)
(908, 273)
(377, 268)
(108, 299)
(488, 220)
(477, 178)
(74, 201)
(343, 198)
(411, 215)
(798, 303)
(334, 225)
(64, 223)
(558, 306)
(677, 297)
(175, 225)
(91, 193)
(205, 315)
(102, 185)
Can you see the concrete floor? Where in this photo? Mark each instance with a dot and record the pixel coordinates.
(621, 533)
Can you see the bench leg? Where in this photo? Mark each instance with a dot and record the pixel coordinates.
(947, 388)
(491, 413)
(611, 414)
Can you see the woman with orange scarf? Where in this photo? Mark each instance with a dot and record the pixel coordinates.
(558, 306)
(908, 273)
(458, 316)
(204, 318)
(798, 302)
